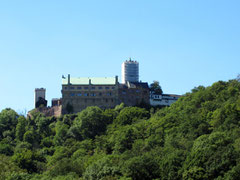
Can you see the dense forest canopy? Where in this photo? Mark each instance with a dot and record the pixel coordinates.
(198, 137)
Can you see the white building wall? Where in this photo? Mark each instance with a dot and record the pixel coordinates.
(161, 100)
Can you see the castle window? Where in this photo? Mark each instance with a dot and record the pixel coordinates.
(99, 87)
(92, 94)
(79, 94)
(109, 94)
(71, 87)
(93, 87)
(113, 87)
(85, 87)
(85, 94)
(100, 94)
(72, 94)
(106, 87)
(79, 87)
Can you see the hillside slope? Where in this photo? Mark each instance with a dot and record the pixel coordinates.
(198, 137)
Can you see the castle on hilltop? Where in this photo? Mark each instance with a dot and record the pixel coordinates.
(104, 92)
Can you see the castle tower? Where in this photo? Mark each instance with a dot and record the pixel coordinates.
(39, 93)
(130, 71)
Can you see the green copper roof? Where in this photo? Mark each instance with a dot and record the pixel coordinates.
(94, 80)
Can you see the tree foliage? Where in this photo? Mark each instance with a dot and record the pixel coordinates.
(20, 128)
(198, 137)
(156, 88)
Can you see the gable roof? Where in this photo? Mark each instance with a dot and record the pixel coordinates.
(141, 84)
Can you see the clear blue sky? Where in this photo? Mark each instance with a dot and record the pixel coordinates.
(180, 43)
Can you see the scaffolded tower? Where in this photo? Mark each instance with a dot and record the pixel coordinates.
(130, 71)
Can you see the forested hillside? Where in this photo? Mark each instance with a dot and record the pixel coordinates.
(198, 137)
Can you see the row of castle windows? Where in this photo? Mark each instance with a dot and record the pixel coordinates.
(90, 94)
(96, 100)
(93, 87)
(163, 97)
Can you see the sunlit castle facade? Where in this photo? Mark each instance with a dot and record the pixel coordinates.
(130, 71)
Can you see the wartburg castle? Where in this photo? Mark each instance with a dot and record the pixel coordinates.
(104, 92)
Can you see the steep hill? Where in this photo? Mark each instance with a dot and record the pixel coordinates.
(198, 137)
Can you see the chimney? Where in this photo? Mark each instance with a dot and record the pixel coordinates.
(116, 79)
(89, 81)
(68, 79)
